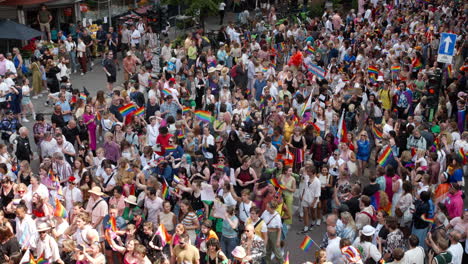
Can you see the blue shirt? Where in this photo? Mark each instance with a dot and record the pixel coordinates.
(65, 107)
(259, 85)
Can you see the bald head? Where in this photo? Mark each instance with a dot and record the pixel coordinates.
(331, 231)
(331, 219)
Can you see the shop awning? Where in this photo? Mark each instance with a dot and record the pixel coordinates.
(24, 2)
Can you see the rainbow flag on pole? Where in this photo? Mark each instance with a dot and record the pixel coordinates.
(306, 243)
(185, 110)
(140, 111)
(384, 158)
(127, 109)
(310, 50)
(396, 68)
(166, 91)
(165, 236)
(373, 70)
(165, 190)
(83, 96)
(60, 209)
(377, 133)
(416, 63)
(204, 116)
(276, 183)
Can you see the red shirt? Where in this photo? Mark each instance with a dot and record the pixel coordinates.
(163, 140)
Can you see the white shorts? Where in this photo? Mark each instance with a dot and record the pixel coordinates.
(309, 204)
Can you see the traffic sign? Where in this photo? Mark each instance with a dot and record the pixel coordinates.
(446, 47)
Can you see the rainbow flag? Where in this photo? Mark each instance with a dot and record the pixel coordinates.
(112, 223)
(165, 190)
(127, 109)
(265, 69)
(373, 70)
(171, 148)
(176, 179)
(276, 183)
(377, 133)
(281, 46)
(52, 175)
(425, 218)
(140, 111)
(462, 154)
(83, 96)
(280, 104)
(310, 50)
(181, 135)
(384, 158)
(372, 78)
(273, 63)
(450, 71)
(204, 116)
(396, 68)
(165, 236)
(185, 110)
(306, 243)
(166, 91)
(416, 63)
(98, 116)
(41, 260)
(60, 209)
(351, 254)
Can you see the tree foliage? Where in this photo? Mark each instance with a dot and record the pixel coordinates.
(205, 7)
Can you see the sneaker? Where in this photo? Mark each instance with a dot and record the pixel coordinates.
(319, 222)
(34, 116)
(92, 64)
(305, 230)
(82, 74)
(24, 120)
(46, 104)
(34, 97)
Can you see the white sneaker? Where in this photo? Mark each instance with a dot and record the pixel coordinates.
(305, 230)
(34, 116)
(319, 222)
(92, 64)
(24, 120)
(82, 74)
(34, 97)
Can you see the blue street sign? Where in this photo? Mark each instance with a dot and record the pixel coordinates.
(447, 44)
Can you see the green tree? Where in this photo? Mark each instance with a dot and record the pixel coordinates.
(200, 8)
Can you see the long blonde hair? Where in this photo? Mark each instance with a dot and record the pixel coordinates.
(349, 219)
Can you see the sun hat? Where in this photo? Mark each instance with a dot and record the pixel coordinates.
(368, 230)
(42, 226)
(211, 69)
(224, 70)
(219, 67)
(239, 252)
(131, 199)
(97, 191)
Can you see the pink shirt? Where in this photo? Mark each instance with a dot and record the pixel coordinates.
(454, 204)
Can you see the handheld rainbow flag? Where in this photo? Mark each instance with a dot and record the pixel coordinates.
(280, 105)
(265, 69)
(316, 70)
(373, 70)
(416, 63)
(396, 68)
(310, 50)
(377, 133)
(60, 209)
(306, 243)
(98, 116)
(286, 260)
(166, 91)
(41, 260)
(140, 111)
(165, 236)
(185, 110)
(384, 158)
(127, 109)
(165, 190)
(462, 154)
(204, 116)
(450, 71)
(171, 148)
(112, 223)
(425, 218)
(83, 96)
(273, 63)
(276, 183)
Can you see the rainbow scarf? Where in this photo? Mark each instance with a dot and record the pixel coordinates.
(385, 157)
(276, 183)
(377, 133)
(425, 218)
(127, 109)
(204, 116)
(185, 110)
(373, 70)
(396, 68)
(416, 63)
(140, 111)
(83, 96)
(60, 209)
(306, 243)
(310, 50)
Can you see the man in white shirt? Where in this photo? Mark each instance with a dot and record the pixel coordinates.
(4, 90)
(273, 221)
(48, 145)
(416, 253)
(64, 146)
(456, 249)
(333, 249)
(166, 51)
(26, 232)
(221, 8)
(72, 194)
(135, 37)
(46, 246)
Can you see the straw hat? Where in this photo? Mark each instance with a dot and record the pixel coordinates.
(42, 226)
(211, 69)
(131, 199)
(97, 191)
(219, 67)
(224, 70)
(239, 252)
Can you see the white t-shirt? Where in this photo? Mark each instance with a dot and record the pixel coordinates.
(315, 188)
(334, 251)
(3, 91)
(154, 207)
(457, 253)
(415, 255)
(272, 220)
(222, 5)
(136, 35)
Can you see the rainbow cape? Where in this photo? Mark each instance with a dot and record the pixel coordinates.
(165, 236)
(396, 68)
(384, 158)
(60, 209)
(373, 70)
(204, 116)
(276, 183)
(140, 111)
(425, 218)
(306, 243)
(127, 109)
(377, 133)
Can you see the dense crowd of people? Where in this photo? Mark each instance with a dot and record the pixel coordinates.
(212, 148)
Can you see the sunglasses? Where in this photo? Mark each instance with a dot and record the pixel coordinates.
(21, 192)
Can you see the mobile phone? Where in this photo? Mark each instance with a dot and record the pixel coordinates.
(80, 247)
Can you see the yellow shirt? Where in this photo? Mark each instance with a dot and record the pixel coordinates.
(386, 99)
(288, 131)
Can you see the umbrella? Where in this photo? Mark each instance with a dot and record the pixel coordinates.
(12, 30)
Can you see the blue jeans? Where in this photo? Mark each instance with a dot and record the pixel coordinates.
(421, 234)
(73, 62)
(228, 245)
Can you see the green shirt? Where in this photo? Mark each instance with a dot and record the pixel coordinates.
(44, 16)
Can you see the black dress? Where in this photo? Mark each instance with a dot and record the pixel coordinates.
(6, 199)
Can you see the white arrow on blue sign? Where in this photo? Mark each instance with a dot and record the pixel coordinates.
(447, 44)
